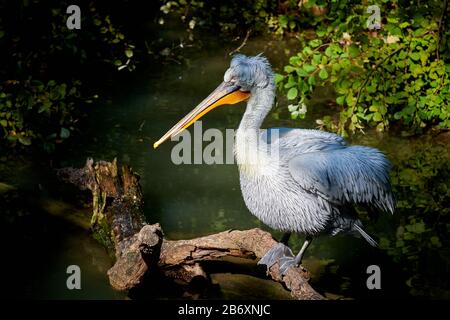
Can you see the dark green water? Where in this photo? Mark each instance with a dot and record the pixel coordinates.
(194, 200)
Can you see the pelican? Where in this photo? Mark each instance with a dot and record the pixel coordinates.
(311, 184)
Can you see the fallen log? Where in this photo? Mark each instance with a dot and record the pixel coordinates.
(140, 249)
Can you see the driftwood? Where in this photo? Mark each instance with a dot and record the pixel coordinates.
(140, 249)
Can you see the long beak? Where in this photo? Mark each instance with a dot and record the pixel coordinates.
(225, 93)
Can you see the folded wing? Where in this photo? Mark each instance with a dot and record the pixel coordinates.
(344, 175)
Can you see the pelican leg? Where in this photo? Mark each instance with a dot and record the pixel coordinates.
(285, 238)
(288, 262)
(277, 252)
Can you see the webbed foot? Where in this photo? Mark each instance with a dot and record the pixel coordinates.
(276, 253)
(286, 263)
(282, 254)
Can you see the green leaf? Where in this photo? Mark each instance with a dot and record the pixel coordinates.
(353, 51)
(418, 32)
(321, 33)
(292, 93)
(283, 21)
(377, 117)
(292, 107)
(340, 100)
(323, 74)
(335, 68)
(26, 141)
(312, 81)
(62, 90)
(307, 50)
(350, 99)
(46, 105)
(418, 227)
(392, 20)
(291, 24)
(295, 60)
(394, 30)
(315, 43)
(65, 133)
(402, 55)
(278, 78)
(302, 73)
(72, 91)
(435, 241)
(303, 87)
(415, 56)
(308, 68)
(415, 69)
(129, 53)
(289, 69)
(309, 4)
(291, 82)
(317, 59)
(329, 52)
(404, 25)
(424, 57)
(4, 123)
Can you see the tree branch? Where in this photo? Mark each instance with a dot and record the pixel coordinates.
(244, 42)
(441, 28)
(141, 249)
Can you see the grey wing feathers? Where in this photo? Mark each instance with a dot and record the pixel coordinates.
(300, 137)
(342, 175)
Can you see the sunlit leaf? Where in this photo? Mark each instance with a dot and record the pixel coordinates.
(323, 74)
(292, 93)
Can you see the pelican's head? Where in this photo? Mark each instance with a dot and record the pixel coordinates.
(249, 73)
(244, 76)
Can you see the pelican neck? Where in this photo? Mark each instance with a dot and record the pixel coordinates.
(258, 106)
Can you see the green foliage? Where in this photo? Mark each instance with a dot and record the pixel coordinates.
(27, 108)
(396, 74)
(423, 225)
(43, 82)
(228, 16)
